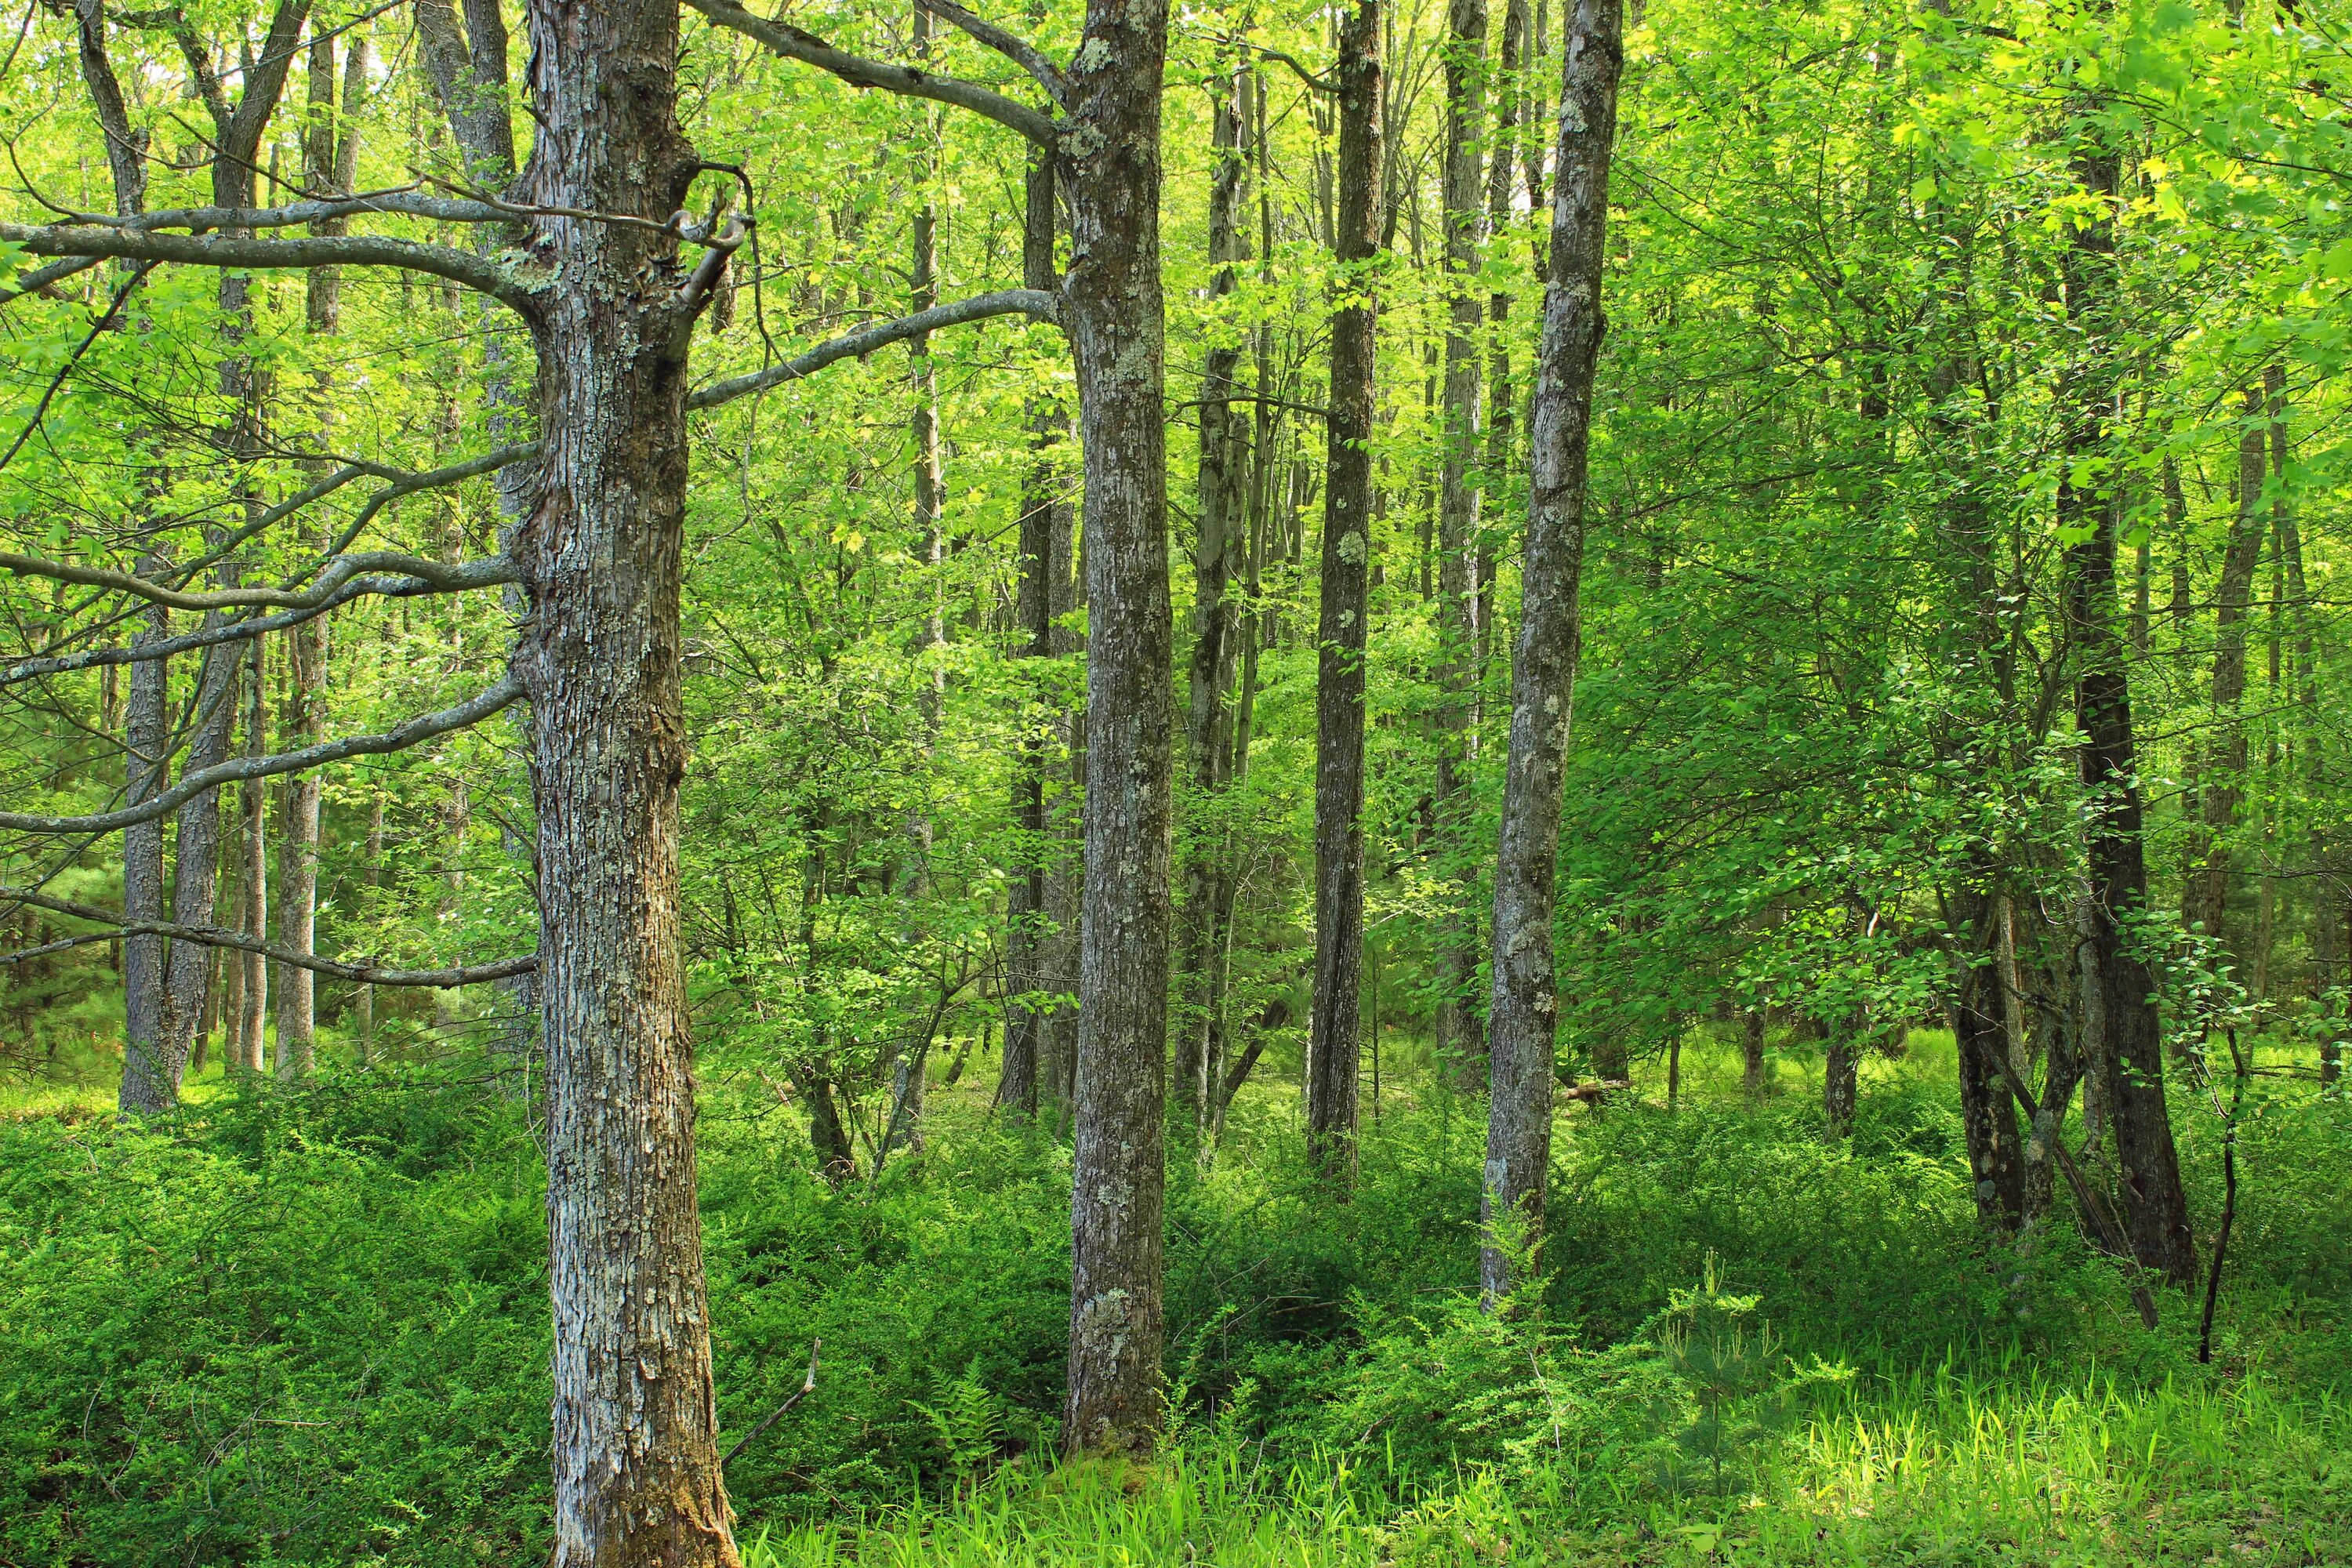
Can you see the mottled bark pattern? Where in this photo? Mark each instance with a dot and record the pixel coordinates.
(1334, 1029)
(1523, 1015)
(1109, 162)
(195, 862)
(636, 1462)
(1988, 1109)
(2121, 1045)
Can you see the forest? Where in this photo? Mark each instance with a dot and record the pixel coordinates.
(1404, 783)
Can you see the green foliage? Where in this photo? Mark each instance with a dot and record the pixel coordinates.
(311, 1328)
(1736, 1395)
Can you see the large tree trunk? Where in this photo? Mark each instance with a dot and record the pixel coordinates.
(636, 1452)
(1112, 314)
(1521, 1019)
(1333, 1034)
(1460, 1043)
(2123, 1043)
(1223, 515)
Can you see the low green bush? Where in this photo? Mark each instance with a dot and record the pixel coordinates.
(312, 1328)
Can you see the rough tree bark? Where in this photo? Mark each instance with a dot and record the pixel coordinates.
(1333, 1028)
(1109, 162)
(1460, 1043)
(635, 1454)
(2123, 1043)
(1988, 1109)
(1522, 1016)
(148, 1086)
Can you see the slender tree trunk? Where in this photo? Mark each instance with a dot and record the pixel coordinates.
(1334, 1029)
(2332, 922)
(233, 1054)
(1057, 1054)
(1842, 1076)
(252, 1032)
(1112, 312)
(148, 1086)
(1751, 1064)
(371, 878)
(2123, 1039)
(2225, 752)
(635, 1423)
(1045, 536)
(1513, 101)
(1523, 1015)
(1223, 511)
(1459, 1041)
(1988, 1110)
(330, 153)
(147, 1083)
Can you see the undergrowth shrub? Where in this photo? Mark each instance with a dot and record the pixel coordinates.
(312, 1327)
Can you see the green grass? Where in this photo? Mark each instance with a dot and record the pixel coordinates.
(311, 1328)
(1944, 1468)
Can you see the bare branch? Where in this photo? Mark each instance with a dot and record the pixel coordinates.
(485, 573)
(226, 632)
(40, 278)
(808, 48)
(511, 285)
(404, 201)
(236, 770)
(215, 936)
(1020, 51)
(1033, 302)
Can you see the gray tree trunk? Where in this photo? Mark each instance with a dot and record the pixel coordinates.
(634, 1422)
(1523, 1015)
(148, 1085)
(1334, 1029)
(1112, 312)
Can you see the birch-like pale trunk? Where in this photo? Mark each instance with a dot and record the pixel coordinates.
(1523, 1016)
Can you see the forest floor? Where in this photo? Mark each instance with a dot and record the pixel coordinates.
(311, 1328)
